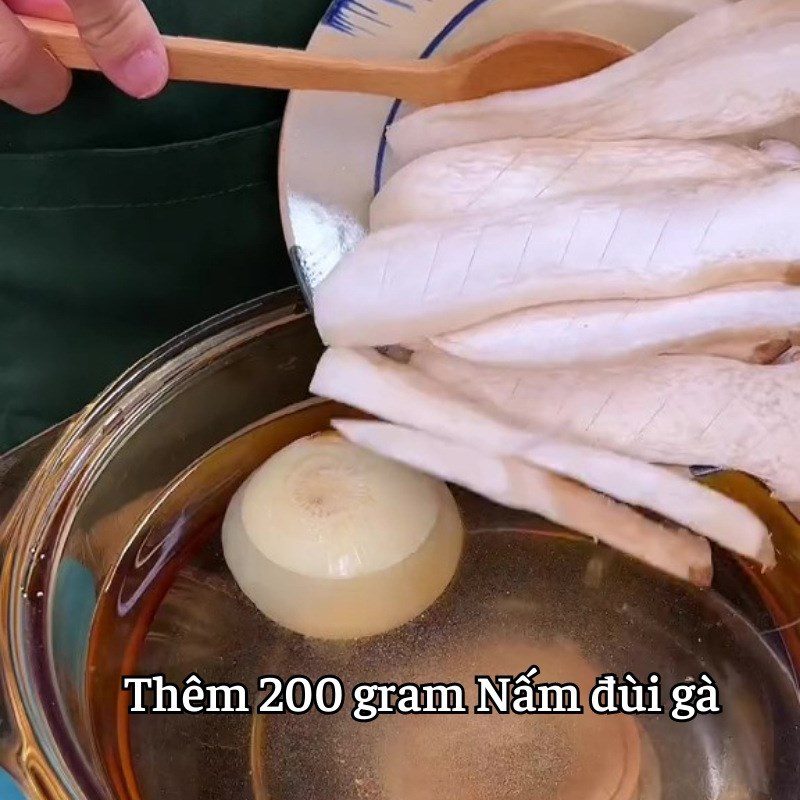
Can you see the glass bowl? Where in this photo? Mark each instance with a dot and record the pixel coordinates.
(111, 566)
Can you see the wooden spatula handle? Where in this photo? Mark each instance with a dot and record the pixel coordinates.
(234, 64)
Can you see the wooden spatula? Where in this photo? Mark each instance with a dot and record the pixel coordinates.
(527, 60)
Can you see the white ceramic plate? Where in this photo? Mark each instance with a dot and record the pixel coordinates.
(333, 154)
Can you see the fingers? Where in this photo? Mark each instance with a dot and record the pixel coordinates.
(123, 39)
(119, 34)
(30, 78)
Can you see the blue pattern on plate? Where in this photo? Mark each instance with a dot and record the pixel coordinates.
(360, 16)
(456, 20)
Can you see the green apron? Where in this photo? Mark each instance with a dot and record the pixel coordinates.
(124, 222)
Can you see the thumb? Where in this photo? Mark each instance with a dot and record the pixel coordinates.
(123, 40)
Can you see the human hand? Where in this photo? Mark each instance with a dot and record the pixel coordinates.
(120, 35)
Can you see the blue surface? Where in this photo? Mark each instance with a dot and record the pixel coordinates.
(8, 788)
(73, 607)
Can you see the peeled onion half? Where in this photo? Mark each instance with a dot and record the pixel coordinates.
(333, 541)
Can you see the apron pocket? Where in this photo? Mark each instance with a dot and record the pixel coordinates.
(104, 254)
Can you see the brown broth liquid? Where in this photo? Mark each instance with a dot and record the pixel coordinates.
(172, 608)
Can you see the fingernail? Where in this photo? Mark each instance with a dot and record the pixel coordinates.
(144, 73)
